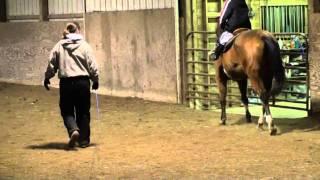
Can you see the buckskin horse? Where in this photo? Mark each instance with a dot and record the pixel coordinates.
(253, 55)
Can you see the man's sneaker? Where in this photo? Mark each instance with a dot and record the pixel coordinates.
(84, 144)
(73, 139)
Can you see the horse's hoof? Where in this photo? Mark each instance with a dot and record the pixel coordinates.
(222, 123)
(248, 118)
(260, 126)
(273, 131)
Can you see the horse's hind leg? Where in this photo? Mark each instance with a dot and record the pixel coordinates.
(265, 102)
(259, 87)
(261, 118)
(243, 84)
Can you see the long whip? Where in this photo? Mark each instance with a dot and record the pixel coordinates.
(97, 104)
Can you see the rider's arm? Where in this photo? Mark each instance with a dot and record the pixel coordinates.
(226, 12)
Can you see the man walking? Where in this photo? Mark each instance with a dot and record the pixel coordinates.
(73, 59)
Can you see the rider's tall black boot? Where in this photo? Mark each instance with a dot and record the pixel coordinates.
(215, 55)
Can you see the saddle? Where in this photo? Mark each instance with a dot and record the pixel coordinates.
(236, 33)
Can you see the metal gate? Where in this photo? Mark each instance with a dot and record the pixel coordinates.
(201, 91)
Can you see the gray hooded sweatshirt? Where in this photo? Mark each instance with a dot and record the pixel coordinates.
(72, 57)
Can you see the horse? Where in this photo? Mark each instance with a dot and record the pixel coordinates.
(253, 55)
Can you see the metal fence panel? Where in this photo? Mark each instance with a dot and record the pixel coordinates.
(60, 7)
(74, 8)
(289, 18)
(124, 5)
(22, 7)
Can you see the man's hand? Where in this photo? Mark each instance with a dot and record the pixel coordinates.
(46, 83)
(95, 85)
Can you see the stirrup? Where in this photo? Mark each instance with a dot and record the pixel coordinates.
(213, 56)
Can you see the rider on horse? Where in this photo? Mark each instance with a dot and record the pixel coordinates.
(234, 15)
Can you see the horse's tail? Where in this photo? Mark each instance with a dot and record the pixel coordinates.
(278, 69)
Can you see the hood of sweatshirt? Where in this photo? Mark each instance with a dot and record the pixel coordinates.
(72, 41)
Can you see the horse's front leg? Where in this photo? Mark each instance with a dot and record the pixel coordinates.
(221, 80)
(243, 84)
(265, 103)
(223, 117)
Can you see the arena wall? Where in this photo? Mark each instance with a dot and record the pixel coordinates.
(135, 50)
(25, 48)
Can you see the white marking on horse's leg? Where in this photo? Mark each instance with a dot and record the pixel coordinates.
(272, 129)
(261, 118)
(269, 120)
(260, 121)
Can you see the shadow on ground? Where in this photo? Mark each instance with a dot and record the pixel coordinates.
(53, 146)
(287, 125)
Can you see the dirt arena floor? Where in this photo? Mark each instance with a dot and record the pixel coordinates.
(135, 139)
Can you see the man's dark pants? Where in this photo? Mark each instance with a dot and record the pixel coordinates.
(75, 105)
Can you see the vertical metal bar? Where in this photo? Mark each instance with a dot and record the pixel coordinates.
(65, 6)
(276, 19)
(34, 8)
(3, 11)
(51, 5)
(44, 10)
(272, 24)
(306, 19)
(205, 68)
(289, 22)
(302, 18)
(267, 18)
(84, 11)
(308, 76)
(69, 7)
(22, 8)
(12, 7)
(183, 64)
(298, 18)
(27, 7)
(262, 19)
(73, 6)
(17, 7)
(283, 21)
(82, 8)
(295, 19)
(58, 7)
(192, 103)
(291, 19)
